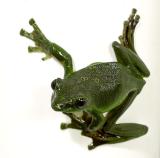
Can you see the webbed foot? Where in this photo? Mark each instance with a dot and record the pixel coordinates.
(117, 134)
(50, 49)
(42, 44)
(127, 37)
(98, 138)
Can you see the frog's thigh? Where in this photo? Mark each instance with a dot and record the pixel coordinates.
(97, 121)
(126, 57)
(121, 53)
(114, 114)
(128, 130)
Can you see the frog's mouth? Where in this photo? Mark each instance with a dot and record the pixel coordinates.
(70, 106)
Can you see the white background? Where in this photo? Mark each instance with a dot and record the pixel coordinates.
(29, 128)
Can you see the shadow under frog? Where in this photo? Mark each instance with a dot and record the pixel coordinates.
(98, 88)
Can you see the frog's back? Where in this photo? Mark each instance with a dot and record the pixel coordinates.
(104, 74)
(106, 83)
(95, 75)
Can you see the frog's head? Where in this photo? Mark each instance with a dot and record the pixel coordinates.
(66, 97)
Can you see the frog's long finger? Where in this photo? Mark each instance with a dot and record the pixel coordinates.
(131, 30)
(131, 17)
(125, 32)
(64, 126)
(136, 20)
(95, 144)
(35, 26)
(34, 49)
(127, 37)
(47, 57)
(26, 34)
(69, 125)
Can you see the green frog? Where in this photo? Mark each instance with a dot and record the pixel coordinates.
(97, 95)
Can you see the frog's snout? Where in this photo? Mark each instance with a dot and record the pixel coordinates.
(71, 105)
(58, 107)
(62, 106)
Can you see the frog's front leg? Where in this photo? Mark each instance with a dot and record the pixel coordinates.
(42, 44)
(97, 121)
(90, 121)
(77, 122)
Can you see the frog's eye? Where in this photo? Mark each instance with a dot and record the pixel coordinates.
(53, 84)
(80, 102)
(56, 84)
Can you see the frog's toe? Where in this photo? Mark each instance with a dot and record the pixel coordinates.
(91, 129)
(32, 21)
(22, 32)
(96, 143)
(91, 146)
(26, 34)
(64, 126)
(34, 49)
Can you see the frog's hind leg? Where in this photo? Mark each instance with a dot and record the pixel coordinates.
(114, 114)
(128, 131)
(42, 44)
(125, 51)
(117, 134)
(125, 130)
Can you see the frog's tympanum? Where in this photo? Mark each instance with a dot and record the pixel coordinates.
(97, 95)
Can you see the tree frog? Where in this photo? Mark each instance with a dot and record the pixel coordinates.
(97, 95)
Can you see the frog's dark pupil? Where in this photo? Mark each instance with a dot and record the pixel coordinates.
(53, 84)
(80, 102)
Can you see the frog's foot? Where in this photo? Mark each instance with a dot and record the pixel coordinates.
(117, 134)
(42, 44)
(98, 138)
(127, 37)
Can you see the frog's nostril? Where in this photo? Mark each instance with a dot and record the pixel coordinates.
(57, 107)
(60, 106)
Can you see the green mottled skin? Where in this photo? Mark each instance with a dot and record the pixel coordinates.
(105, 85)
(86, 95)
